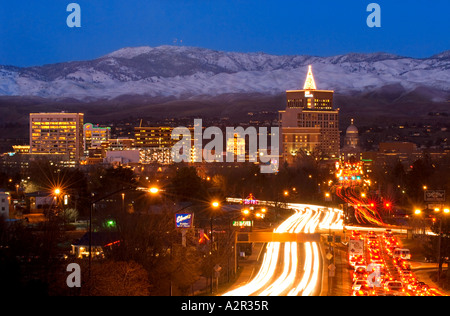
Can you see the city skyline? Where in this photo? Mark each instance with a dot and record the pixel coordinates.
(131, 192)
(207, 149)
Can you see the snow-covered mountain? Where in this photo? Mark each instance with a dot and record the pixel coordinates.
(188, 71)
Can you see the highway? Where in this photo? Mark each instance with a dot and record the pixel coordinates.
(291, 268)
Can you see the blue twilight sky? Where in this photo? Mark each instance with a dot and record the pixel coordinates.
(34, 32)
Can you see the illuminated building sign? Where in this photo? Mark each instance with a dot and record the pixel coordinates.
(184, 220)
(242, 223)
(250, 200)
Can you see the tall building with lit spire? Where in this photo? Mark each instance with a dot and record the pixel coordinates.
(309, 124)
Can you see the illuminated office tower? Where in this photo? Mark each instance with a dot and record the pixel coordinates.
(95, 136)
(155, 143)
(309, 124)
(158, 136)
(57, 133)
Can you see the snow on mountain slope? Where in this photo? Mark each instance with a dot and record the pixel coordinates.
(189, 71)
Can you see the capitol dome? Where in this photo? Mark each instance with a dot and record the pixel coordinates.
(352, 129)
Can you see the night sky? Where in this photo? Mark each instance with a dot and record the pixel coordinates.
(36, 33)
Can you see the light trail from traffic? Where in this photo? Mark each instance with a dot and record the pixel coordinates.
(363, 213)
(269, 281)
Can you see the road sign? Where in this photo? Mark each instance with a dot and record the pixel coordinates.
(434, 196)
(242, 223)
(331, 270)
(356, 247)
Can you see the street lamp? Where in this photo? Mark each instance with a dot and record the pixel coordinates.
(57, 193)
(445, 211)
(153, 190)
(215, 205)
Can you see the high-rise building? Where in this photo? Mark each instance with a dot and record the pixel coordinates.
(159, 136)
(155, 144)
(95, 136)
(57, 133)
(309, 124)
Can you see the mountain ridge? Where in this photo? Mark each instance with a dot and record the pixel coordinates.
(183, 72)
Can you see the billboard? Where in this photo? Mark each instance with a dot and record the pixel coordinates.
(184, 220)
(434, 196)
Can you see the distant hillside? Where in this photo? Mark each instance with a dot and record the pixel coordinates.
(185, 72)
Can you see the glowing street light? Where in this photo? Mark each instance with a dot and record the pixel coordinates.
(57, 191)
(417, 212)
(153, 190)
(215, 204)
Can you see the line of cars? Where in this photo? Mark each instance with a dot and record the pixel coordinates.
(401, 268)
(383, 268)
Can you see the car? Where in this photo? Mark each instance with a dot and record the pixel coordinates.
(413, 286)
(406, 276)
(358, 283)
(360, 266)
(355, 259)
(364, 290)
(422, 289)
(355, 234)
(404, 265)
(402, 253)
(387, 233)
(360, 262)
(398, 261)
(360, 287)
(393, 287)
(360, 273)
